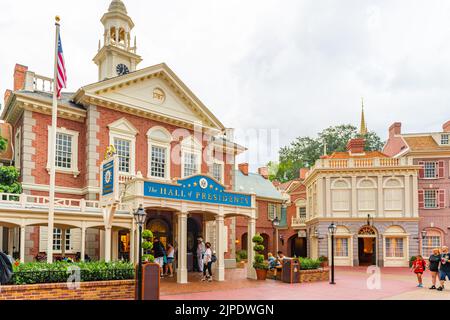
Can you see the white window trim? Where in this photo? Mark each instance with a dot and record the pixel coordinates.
(222, 174)
(190, 145)
(124, 129)
(151, 141)
(17, 148)
(75, 134)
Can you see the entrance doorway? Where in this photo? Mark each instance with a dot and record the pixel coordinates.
(124, 245)
(298, 247)
(193, 233)
(367, 251)
(161, 228)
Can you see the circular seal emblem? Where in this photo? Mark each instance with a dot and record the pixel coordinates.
(203, 183)
(108, 176)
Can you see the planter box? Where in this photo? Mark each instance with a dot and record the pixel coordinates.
(240, 265)
(314, 275)
(101, 290)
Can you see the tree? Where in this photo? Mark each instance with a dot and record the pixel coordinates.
(303, 152)
(9, 180)
(3, 144)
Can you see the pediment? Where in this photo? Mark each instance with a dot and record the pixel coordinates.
(123, 126)
(155, 90)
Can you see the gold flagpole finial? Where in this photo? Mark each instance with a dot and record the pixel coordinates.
(57, 19)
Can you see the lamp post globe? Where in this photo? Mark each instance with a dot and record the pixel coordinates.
(139, 217)
(276, 222)
(424, 234)
(332, 230)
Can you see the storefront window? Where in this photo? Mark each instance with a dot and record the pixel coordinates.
(394, 247)
(341, 247)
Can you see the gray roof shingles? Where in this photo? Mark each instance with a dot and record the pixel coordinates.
(255, 183)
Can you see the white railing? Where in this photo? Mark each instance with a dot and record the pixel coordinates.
(298, 222)
(361, 163)
(35, 82)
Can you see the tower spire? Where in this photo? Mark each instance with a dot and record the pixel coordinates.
(363, 126)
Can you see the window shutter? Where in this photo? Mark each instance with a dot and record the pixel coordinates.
(422, 169)
(441, 198)
(441, 169)
(421, 199)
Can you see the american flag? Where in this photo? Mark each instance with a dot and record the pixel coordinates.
(62, 75)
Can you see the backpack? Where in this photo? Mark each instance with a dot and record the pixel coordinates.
(213, 258)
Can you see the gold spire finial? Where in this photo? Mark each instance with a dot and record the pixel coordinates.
(363, 126)
(57, 19)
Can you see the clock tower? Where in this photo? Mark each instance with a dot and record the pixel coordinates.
(117, 56)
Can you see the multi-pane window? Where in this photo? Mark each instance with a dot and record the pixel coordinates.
(341, 199)
(394, 247)
(273, 210)
(302, 212)
(430, 198)
(57, 239)
(341, 247)
(123, 152)
(366, 199)
(190, 164)
(63, 156)
(445, 138)
(429, 243)
(430, 169)
(217, 171)
(158, 162)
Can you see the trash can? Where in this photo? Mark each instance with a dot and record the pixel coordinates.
(150, 281)
(291, 271)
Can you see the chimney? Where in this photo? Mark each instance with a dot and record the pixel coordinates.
(7, 95)
(446, 126)
(395, 129)
(264, 172)
(243, 167)
(19, 76)
(356, 146)
(303, 172)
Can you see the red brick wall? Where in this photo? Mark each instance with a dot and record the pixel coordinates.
(104, 290)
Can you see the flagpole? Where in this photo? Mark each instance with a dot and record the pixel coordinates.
(51, 209)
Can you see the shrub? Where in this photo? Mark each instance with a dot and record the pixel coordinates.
(323, 259)
(259, 263)
(258, 248)
(242, 254)
(148, 258)
(309, 264)
(147, 245)
(147, 234)
(59, 272)
(238, 259)
(258, 239)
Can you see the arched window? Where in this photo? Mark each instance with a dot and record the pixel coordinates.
(159, 140)
(340, 195)
(367, 195)
(393, 194)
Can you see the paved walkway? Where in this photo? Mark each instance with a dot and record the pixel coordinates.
(351, 284)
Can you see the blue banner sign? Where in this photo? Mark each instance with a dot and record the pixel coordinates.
(197, 189)
(108, 178)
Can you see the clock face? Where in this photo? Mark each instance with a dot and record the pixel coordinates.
(122, 69)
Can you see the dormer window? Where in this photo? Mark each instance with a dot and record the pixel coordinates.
(445, 138)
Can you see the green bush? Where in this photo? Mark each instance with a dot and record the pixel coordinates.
(258, 239)
(238, 259)
(258, 248)
(38, 272)
(147, 234)
(259, 258)
(323, 259)
(9, 183)
(148, 258)
(147, 245)
(242, 254)
(309, 264)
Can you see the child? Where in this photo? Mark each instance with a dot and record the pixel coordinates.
(419, 266)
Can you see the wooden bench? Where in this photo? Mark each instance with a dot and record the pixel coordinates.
(270, 273)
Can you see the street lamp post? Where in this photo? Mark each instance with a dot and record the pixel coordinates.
(140, 217)
(275, 224)
(332, 230)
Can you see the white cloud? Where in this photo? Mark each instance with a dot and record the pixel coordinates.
(296, 66)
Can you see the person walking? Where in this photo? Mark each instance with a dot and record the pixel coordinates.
(207, 263)
(170, 259)
(200, 253)
(419, 266)
(444, 270)
(159, 253)
(433, 264)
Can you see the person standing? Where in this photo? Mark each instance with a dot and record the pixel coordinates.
(444, 270)
(419, 266)
(434, 261)
(170, 259)
(200, 253)
(207, 260)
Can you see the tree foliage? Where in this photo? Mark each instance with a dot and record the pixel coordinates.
(9, 180)
(3, 144)
(303, 152)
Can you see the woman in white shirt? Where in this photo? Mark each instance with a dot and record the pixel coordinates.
(207, 261)
(170, 259)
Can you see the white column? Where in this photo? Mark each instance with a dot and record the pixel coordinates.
(380, 211)
(354, 209)
(328, 196)
(407, 212)
(108, 230)
(22, 244)
(63, 242)
(182, 274)
(10, 241)
(320, 208)
(415, 196)
(115, 245)
(251, 273)
(219, 275)
(132, 242)
(83, 241)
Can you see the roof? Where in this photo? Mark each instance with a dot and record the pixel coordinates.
(66, 98)
(255, 183)
(366, 154)
(423, 143)
(117, 5)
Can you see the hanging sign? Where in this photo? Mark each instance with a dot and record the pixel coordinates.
(109, 180)
(197, 189)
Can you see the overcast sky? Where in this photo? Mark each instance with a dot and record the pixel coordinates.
(292, 66)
